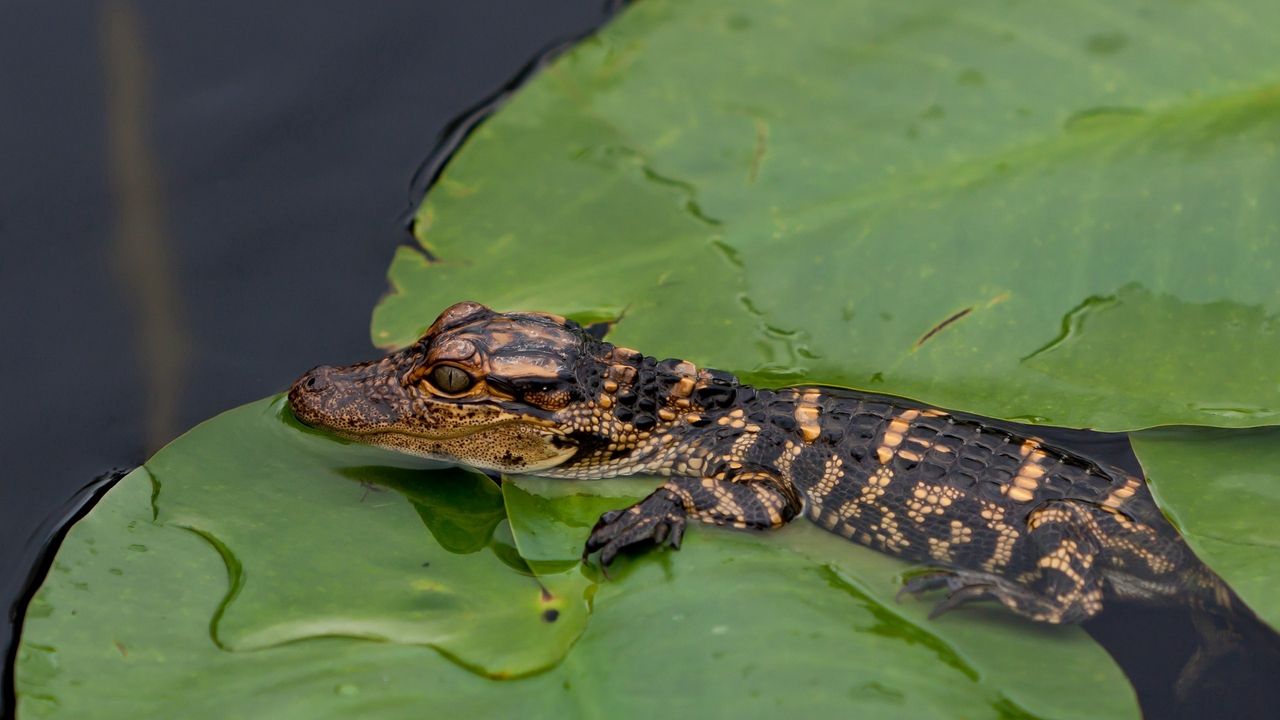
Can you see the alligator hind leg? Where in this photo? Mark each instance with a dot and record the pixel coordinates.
(1056, 580)
(752, 499)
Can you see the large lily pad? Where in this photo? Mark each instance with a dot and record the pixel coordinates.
(1049, 212)
(255, 568)
(279, 488)
(1045, 212)
(1222, 490)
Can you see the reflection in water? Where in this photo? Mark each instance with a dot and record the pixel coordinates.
(1178, 675)
(143, 262)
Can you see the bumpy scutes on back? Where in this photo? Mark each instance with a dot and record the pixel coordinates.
(996, 512)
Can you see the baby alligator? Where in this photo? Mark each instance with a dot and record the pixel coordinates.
(992, 514)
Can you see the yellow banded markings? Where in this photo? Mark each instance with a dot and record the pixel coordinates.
(929, 500)
(806, 414)
(744, 442)
(832, 473)
(1117, 497)
(1061, 560)
(918, 445)
(940, 550)
(849, 509)
(790, 451)
(769, 501)
(726, 507)
(894, 435)
(1006, 536)
(1027, 480)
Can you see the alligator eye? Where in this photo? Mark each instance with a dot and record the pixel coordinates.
(451, 379)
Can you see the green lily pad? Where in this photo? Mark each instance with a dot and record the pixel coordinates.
(245, 571)
(1222, 490)
(940, 200)
(972, 204)
(121, 629)
(552, 518)
(297, 499)
(461, 509)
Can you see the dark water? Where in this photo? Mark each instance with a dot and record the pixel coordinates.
(198, 201)
(1154, 645)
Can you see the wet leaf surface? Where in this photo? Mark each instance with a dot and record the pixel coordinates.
(256, 577)
(942, 201)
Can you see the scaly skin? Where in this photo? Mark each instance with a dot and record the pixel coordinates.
(993, 514)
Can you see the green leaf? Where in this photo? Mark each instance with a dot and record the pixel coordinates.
(121, 629)
(1222, 490)
(1040, 211)
(254, 481)
(552, 518)
(245, 572)
(1044, 212)
(461, 510)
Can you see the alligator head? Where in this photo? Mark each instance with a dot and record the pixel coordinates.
(480, 388)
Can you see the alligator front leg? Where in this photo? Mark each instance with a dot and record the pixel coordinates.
(752, 499)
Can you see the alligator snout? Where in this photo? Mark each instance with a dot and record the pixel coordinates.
(345, 399)
(307, 395)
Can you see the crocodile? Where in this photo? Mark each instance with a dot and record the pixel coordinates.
(987, 510)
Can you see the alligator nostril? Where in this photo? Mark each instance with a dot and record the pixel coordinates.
(315, 383)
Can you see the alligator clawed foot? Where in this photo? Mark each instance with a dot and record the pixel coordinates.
(966, 586)
(925, 581)
(961, 587)
(658, 519)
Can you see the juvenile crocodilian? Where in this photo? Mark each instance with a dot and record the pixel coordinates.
(990, 513)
